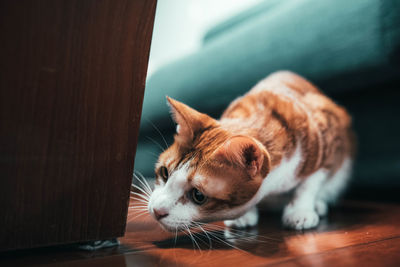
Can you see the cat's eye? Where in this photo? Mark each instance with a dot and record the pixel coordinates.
(197, 197)
(164, 173)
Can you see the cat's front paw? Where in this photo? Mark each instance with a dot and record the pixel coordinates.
(300, 219)
(249, 219)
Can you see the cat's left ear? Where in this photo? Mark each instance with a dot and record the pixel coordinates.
(189, 121)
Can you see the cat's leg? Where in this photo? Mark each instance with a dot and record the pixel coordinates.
(249, 219)
(300, 212)
(321, 207)
(333, 188)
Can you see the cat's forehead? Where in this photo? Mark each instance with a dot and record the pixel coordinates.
(170, 157)
(204, 143)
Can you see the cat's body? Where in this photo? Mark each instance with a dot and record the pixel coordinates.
(284, 134)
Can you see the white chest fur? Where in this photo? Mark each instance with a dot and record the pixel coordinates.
(282, 178)
(279, 180)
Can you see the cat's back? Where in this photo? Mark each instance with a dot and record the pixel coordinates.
(286, 107)
(289, 94)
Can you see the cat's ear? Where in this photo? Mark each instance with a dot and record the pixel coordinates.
(246, 153)
(189, 121)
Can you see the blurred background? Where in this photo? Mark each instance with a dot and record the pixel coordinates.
(180, 26)
(206, 53)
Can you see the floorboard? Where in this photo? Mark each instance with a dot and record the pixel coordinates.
(355, 233)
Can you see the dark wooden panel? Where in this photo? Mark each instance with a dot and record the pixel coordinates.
(72, 76)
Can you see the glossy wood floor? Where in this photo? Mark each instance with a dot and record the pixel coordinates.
(355, 234)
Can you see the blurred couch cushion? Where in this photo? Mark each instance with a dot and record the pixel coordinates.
(323, 40)
(342, 46)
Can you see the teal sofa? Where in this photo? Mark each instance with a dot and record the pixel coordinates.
(350, 49)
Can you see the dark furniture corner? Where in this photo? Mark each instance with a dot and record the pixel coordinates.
(72, 77)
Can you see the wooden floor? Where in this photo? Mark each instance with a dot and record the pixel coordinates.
(355, 234)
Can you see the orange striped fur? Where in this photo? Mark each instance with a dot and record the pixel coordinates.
(233, 155)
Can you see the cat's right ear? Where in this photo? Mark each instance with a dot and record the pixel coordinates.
(188, 120)
(245, 152)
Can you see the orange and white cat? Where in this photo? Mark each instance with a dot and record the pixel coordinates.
(283, 134)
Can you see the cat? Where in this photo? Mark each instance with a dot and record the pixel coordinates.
(283, 135)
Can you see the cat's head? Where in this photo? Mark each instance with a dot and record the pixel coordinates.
(207, 174)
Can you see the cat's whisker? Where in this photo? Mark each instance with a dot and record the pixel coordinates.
(140, 195)
(241, 236)
(140, 177)
(221, 228)
(156, 143)
(227, 243)
(143, 190)
(134, 194)
(241, 232)
(142, 205)
(144, 180)
(152, 154)
(192, 237)
(215, 236)
(199, 235)
(138, 215)
(138, 209)
(245, 236)
(176, 235)
(205, 232)
(162, 136)
(144, 201)
(187, 234)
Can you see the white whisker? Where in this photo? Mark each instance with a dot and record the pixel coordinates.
(227, 243)
(165, 142)
(205, 232)
(242, 236)
(143, 201)
(139, 206)
(195, 242)
(140, 195)
(141, 190)
(139, 209)
(156, 143)
(176, 235)
(138, 215)
(144, 182)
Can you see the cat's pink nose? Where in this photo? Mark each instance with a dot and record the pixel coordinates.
(160, 213)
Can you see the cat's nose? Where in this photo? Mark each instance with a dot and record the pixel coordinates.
(160, 213)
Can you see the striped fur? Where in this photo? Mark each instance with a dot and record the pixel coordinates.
(230, 159)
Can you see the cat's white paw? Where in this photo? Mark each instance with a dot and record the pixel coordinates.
(300, 219)
(321, 208)
(249, 219)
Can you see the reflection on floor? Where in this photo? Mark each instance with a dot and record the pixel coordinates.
(355, 233)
